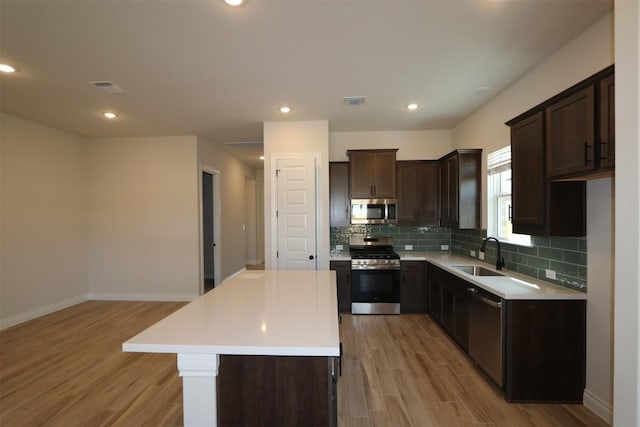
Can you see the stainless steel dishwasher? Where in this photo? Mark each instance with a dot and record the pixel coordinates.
(486, 333)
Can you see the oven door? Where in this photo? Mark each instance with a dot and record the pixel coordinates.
(375, 291)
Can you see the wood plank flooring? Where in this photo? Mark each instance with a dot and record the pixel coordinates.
(404, 371)
(68, 369)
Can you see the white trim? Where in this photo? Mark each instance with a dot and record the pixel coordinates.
(598, 406)
(142, 297)
(217, 234)
(42, 311)
(253, 262)
(317, 156)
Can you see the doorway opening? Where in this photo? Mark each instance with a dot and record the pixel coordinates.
(210, 226)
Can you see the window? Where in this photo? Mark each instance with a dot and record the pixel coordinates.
(499, 193)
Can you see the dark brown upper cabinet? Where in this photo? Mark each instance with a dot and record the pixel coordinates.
(418, 185)
(372, 174)
(570, 134)
(539, 206)
(579, 131)
(339, 194)
(555, 147)
(460, 189)
(607, 123)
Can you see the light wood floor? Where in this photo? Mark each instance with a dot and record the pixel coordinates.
(67, 369)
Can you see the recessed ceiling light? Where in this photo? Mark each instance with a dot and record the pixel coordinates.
(110, 115)
(234, 2)
(6, 68)
(412, 107)
(261, 157)
(284, 109)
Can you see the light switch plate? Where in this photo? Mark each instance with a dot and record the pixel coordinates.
(408, 247)
(472, 253)
(444, 247)
(550, 274)
(481, 255)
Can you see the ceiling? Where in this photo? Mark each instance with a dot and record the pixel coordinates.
(200, 67)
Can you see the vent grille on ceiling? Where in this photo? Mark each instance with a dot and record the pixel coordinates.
(354, 100)
(108, 87)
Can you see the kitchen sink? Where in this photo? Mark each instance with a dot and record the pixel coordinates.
(476, 270)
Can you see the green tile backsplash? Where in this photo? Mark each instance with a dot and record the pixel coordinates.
(422, 238)
(566, 255)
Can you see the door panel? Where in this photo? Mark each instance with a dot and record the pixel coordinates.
(296, 214)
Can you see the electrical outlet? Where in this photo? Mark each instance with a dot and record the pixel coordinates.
(472, 253)
(339, 247)
(408, 247)
(550, 274)
(444, 247)
(481, 255)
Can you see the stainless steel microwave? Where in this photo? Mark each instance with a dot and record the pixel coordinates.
(373, 211)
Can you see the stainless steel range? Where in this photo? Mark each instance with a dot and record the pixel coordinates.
(375, 276)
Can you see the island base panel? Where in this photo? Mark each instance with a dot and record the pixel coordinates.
(276, 390)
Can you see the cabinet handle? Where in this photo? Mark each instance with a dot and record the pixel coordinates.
(371, 193)
(375, 190)
(607, 155)
(586, 153)
(510, 213)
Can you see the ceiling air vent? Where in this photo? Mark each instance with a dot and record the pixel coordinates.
(108, 87)
(354, 100)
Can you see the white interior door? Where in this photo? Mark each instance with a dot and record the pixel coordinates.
(296, 213)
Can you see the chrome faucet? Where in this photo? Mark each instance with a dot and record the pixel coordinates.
(499, 259)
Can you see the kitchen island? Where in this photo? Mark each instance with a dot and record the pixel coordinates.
(263, 331)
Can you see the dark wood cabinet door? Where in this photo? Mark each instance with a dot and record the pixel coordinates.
(339, 194)
(460, 312)
(343, 279)
(570, 134)
(413, 287)
(372, 174)
(607, 123)
(448, 191)
(527, 172)
(407, 210)
(434, 293)
(418, 198)
(360, 175)
(428, 182)
(383, 174)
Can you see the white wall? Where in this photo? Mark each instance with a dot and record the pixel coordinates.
(43, 262)
(143, 222)
(588, 53)
(232, 198)
(412, 145)
(598, 394)
(303, 138)
(627, 215)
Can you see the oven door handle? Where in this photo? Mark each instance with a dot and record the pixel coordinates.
(375, 267)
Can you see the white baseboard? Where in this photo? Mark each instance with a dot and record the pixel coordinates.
(234, 275)
(142, 297)
(41, 311)
(253, 262)
(598, 406)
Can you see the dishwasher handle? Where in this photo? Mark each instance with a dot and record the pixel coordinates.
(474, 293)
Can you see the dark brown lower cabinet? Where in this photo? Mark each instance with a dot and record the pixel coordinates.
(343, 279)
(277, 391)
(545, 346)
(413, 287)
(544, 341)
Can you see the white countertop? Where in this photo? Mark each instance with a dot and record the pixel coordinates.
(278, 313)
(511, 286)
